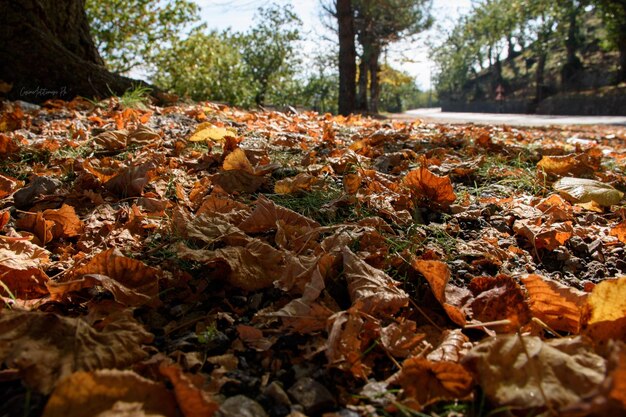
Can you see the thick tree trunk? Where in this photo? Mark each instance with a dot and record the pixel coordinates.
(347, 57)
(361, 94)
(573, 65)
(374, 70)
(46, 52)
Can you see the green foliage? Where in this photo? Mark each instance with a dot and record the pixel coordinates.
(131, 33)
(136, 98)
(205, 66)
(268, 52)
(399, 92)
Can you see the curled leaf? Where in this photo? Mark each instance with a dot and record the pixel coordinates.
(581, 190)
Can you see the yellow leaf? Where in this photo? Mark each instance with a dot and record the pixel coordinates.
(208, 131)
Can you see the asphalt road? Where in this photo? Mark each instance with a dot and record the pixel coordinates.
(437, 116)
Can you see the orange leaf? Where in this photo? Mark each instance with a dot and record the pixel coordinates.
(130, 273)
(266, 214)
(192, 400)
(425, 382)
(20, 269)
(88, 394)
(237, 160)
(558, 306)
(499, 298)
(430, 189)
(352, 183)
(619, 231)
(451, 298)
(301, 182)
(544, 236)
(8, 186)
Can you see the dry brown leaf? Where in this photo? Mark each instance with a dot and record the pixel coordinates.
(5, 216)
(425, 382)
(604, 315)
(453, 347)
(20, 269)
(556, 208)
(66, 222)
(526, 372)
(352, 183)
(237, 181)
(89, 394)
(122, 294)
(582, 164)
(544, 236)
(46, 347)
(252, 267)
(619, 232)
(450, 297)
(349, 335)
(401, 339)
(130, 273)
(8, 186)
(237, 160)
(429, 189)
(130, 181)
(40, 227)
(266, 214)
(499, 298)
(558, 306)
(192, 400)
(112, 140)
(299, 183)
(371, 289)
(8, 146)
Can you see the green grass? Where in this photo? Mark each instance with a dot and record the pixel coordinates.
(314, 204)
(519, 174)
(136, 98)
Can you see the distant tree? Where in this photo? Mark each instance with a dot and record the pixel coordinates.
(268, 50)
(379, 23)
(343, 11)
(205, 65)
(614, 16)
(131, 33)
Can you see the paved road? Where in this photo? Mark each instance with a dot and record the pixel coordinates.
(437, 116)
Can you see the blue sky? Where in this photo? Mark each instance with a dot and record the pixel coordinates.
(409, 56)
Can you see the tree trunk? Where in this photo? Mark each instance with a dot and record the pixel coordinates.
(539, 77)
(573, 65)
(362, 103)
(374, 70)
(46, 51)
(347, 57)
(621, 44)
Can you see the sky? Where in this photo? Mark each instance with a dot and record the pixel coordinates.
(411, 57)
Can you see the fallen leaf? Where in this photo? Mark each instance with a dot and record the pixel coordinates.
(21, 271)
(429, 189)
(130, 181)
(604, 316)
(8, 186)
(371, 289)
(558, 306)
(401, 339)
(499, 298)
(130, 273)
(299, 183)
(453, 347)
(526, 372)
(580, 190)
(192, 400)
(348, 337)
(452, 299)
(237, 181)
(237, 160)
(425, 382)
(46, 348)
(207, 131)
(88, 394)
(266, 214)
(619, 232)
(544, 236)
(582, 164)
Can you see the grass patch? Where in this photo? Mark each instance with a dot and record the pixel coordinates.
(136, 98)
(314, 204)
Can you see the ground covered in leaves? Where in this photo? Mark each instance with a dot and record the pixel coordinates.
(199, 260)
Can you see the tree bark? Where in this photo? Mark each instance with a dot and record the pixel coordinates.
(46, 51)
(347, 57)
(573, 65)
(539, 77)
(374, 70)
